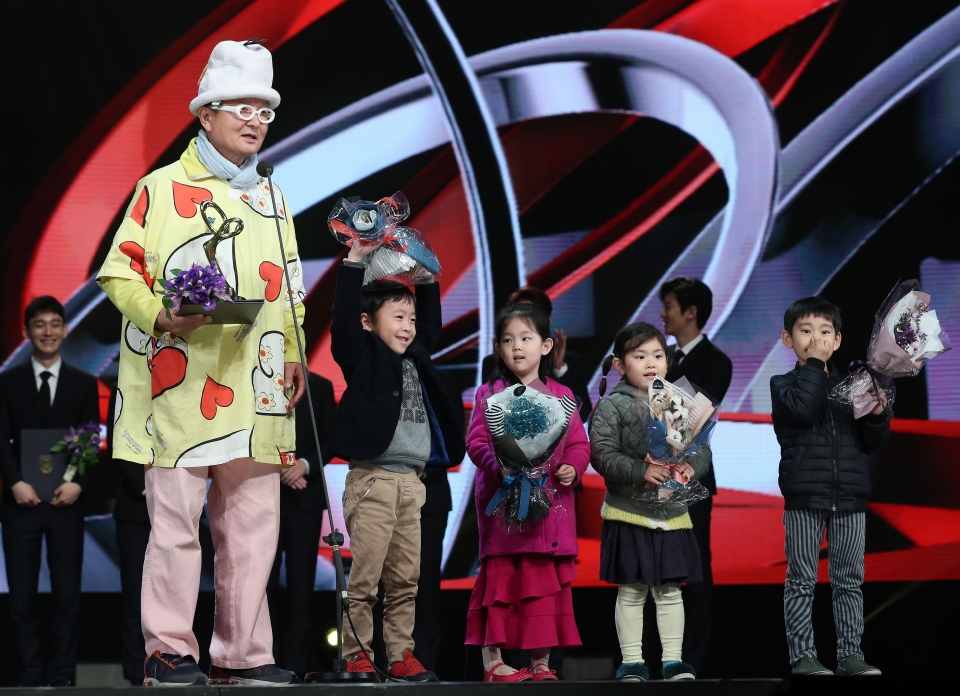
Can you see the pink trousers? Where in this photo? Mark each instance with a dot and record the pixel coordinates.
(243, 505)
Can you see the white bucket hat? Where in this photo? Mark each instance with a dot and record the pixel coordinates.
(236, 70)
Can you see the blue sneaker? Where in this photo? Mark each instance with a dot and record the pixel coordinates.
(164, 669)
(264, 675)
(676, 670)
(633, 671)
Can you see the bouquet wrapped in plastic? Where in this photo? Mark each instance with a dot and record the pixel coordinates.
(680, 422)
(529, 428)
(405, 257)
(905, 335)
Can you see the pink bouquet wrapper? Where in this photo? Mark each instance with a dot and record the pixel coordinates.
(906, 334)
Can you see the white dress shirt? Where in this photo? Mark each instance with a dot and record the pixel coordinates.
(687, 348)
(54, 370)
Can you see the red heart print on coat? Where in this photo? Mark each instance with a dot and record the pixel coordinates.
(137, 261)
(187, 198)
(139, 212)
(273, 274)
(167, 370)
(214, 395)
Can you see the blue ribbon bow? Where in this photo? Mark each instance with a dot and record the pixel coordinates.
(525, 486)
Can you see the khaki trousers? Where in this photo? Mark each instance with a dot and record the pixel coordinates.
(382, 513)
(244, 508)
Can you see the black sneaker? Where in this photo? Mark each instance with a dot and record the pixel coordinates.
(808, 666)
(164, 669)
(264, 675)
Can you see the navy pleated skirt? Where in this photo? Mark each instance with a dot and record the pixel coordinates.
(630, 554)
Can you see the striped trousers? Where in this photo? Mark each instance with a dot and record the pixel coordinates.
(845, 545)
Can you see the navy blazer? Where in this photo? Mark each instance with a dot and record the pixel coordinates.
(370, 407)
(76, 402)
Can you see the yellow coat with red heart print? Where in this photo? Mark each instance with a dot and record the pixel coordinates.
(217, 393)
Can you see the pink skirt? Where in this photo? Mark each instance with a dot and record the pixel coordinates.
(523, 602)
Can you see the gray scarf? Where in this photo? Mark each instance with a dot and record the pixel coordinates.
(243, 177)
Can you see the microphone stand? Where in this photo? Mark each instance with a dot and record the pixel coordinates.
(335, 539)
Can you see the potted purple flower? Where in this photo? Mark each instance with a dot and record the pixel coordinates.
(199, 285)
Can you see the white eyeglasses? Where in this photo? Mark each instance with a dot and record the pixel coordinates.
(246, 112)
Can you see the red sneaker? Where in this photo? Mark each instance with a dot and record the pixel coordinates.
(411, 670)
(518, 676)
(360, 663)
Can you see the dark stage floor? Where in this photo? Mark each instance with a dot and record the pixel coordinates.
(825, 686)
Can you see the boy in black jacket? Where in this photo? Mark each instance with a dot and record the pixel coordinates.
(825, 483)
(394, 419)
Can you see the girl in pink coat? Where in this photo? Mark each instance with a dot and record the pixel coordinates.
(522, 598)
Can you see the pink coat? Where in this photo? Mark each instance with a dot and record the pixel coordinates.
(557, 533)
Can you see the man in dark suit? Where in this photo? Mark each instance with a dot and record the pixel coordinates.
(133, 532)
(43, 393)
(301, 516)
(567, 365)
(687, 303)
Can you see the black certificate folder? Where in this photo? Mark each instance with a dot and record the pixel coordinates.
(40, 467)
(236, 312)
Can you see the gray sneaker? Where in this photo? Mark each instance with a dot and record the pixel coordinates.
(854, 665)
(808, 666)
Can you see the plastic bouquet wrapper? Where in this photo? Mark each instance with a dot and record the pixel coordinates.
(680, 422)
(529, 428)
(906, 333)
(405, 257)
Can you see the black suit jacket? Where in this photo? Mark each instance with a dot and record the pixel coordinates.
(575, 379)
(75, 403)
(708, 368)
(311, 499)
(370, 407)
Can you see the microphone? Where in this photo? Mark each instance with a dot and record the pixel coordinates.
(335, 538)
(265, 168)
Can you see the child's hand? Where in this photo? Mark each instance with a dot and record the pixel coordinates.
(358, 250)
(566, 474)
(656, 473)
(821, 348)
(881, 401)
(686, 471)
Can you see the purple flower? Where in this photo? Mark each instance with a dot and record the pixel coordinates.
(202, 285)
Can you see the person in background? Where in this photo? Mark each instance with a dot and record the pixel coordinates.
(133, 532)
(825, 481)
(43, 393)
(302, 504)
(568, 367)
(687, 304)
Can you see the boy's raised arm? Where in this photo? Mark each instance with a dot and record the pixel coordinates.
(346, 331)
(800, 402)
(429, 314)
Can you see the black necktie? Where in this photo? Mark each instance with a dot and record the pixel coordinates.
(45, 397)
(675, 360)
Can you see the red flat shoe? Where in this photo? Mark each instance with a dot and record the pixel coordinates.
(541, 673)
(518, 676)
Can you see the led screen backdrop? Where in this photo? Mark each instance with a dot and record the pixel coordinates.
(774, 149)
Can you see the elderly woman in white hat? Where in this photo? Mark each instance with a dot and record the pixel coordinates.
(199, 400)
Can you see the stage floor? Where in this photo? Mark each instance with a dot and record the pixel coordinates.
(821, 686)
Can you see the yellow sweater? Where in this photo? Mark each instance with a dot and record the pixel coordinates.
(615, 514)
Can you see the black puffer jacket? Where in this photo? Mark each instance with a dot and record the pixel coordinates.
(822, 446)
